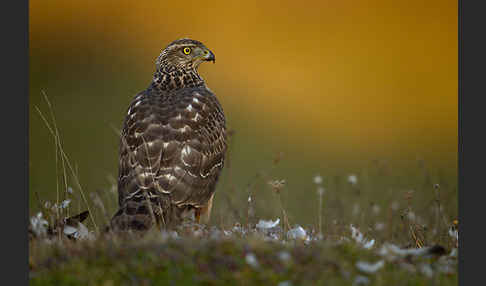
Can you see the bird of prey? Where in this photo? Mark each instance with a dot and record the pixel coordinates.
(172, 145)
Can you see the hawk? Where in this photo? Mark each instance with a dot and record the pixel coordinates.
(172, 145)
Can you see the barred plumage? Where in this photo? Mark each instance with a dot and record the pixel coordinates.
(172, 144)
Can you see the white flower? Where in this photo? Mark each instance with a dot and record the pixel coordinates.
(392, 251)
(69, 190)
(318, 179)
(39, 225)
(297, 233)
(227, 232)
(237, 229)
(65, 204)
(69, 230)
(369, 268)
(453, 252)
(264, 224)
(353, 179)
(359, 238)
(453, 233)
(79, 232)
(251, 259)
(369, 244)
(249, 199)
(356, 234)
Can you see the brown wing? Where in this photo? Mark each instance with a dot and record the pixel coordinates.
(172, 146)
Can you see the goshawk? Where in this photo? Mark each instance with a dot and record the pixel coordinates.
(172, 145)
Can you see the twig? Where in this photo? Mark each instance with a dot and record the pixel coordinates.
(63, 154)
(57, 138)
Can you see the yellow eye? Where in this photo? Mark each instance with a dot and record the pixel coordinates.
(187, 51)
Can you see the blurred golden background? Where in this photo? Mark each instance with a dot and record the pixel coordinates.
(337, 87)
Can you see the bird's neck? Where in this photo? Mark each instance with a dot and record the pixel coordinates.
(168, 79)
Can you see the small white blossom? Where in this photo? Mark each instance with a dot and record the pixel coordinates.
(369, 244)
(454, 233)
(391, 251)
(453, 252)
(227, 232)
(69, 190)
(251, 259)
(69, 230)
(297, 233)
(369, 268)
(65, 204)
(353, 179)
(264, 224)
(39, 225)
(359, 238)
(318, 179)
(79, 232)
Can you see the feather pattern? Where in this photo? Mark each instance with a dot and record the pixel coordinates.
(172, 150)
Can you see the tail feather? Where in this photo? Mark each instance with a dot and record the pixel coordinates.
(142, 213)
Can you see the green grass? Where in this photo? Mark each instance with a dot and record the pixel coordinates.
(153, 260)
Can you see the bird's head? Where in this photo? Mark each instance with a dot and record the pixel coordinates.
(184, 54)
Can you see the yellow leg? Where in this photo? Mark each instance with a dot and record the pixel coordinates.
(204, 213)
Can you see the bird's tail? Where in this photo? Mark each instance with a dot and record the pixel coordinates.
(142, 213)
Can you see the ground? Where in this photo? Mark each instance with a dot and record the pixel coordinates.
(238, 256)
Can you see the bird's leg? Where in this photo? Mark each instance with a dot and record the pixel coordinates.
(204, 213)
(198, 214)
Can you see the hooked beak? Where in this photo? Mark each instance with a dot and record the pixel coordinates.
(209, 56)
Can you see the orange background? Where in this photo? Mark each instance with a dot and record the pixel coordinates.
(331, 84)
